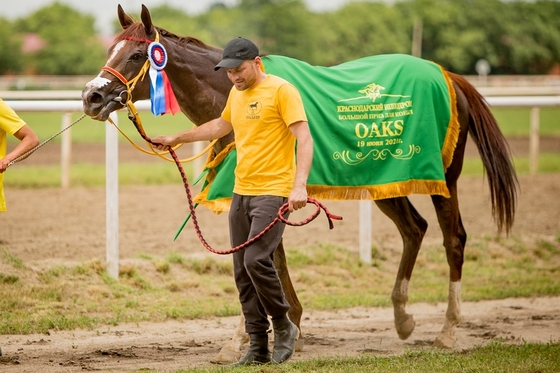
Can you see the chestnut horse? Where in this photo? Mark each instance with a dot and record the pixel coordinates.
(201, 93)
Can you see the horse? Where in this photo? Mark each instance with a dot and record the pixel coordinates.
(201, 94)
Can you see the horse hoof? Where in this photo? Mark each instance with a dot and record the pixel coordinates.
(299, 344)
(444, 341)
(227, 357)
(405, 328)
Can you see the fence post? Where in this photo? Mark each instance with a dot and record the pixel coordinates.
(534, 141)
(365, 231)
(112, 196)
(65, 150)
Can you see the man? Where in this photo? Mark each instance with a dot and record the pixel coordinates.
(12, 124)
(267, 116)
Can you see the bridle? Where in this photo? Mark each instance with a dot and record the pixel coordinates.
(133, 114)
(131, 84)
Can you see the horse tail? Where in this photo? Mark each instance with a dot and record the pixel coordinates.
(495, 153)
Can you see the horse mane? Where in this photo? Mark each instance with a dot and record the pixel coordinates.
(137, 31)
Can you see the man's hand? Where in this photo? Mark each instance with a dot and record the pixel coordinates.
(4, 164)
(164, 142)
(297, 198)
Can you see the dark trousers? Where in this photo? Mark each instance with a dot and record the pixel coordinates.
(260, 290)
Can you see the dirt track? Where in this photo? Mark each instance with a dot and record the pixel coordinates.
(49, 226)
(174, 345)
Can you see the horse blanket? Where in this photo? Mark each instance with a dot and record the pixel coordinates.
(383, 126)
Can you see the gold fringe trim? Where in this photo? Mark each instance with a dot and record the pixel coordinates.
(453, 129)
(213, 160)
(373, 192)
(217, 206)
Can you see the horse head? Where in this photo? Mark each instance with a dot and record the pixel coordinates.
(201, 92)
(123, 76)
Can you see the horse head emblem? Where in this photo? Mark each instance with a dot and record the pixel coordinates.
(254, 108)
(372, 91)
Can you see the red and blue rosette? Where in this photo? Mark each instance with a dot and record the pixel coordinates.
(162, 98)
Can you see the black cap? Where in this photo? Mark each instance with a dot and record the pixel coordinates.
(237, 51)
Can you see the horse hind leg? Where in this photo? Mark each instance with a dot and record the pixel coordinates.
(412, 228)
(296, 310)
(454, 239)
(231, 351)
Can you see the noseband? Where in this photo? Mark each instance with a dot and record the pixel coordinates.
(130, 84)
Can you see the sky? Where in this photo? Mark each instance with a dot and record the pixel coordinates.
(106, 10)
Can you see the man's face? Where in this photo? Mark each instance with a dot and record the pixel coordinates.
(245, 75)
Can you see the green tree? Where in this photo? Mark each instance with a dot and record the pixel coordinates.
(10, 45)
(281, 27)
(531, 40)
(72, 47)
(516, 37)
(363, 29)
(221, 24)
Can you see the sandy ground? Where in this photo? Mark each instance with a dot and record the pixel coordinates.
(169, 346)
(48, 226)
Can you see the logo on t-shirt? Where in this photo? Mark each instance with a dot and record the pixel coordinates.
(253, 109)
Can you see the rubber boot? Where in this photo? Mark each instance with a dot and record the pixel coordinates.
(257, 353)
(285, 335)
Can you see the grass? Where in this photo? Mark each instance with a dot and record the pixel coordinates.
(492, 358)
(92, 131)
(157, 288)
(153, 288)
(514, 122)
(90, 175)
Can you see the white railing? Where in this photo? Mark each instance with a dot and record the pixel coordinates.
(111, 146)
(111, 166)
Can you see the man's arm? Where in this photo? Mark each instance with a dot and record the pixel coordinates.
(28, 140)
(298, 196)
(211, 130)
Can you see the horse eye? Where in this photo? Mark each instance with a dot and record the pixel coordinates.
(137, 56)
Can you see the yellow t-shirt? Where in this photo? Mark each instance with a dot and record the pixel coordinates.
(10, 123)
(260, 116)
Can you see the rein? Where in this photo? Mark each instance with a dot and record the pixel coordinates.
(28, 153)
(134, 117)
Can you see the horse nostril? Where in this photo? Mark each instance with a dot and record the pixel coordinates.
(95, 98)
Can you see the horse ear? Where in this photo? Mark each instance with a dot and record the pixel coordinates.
(147, 20)
(124, 18)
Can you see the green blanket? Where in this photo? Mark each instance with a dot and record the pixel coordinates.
(383, 126)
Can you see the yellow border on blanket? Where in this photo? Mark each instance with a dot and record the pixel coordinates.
(453, 129)
(220, 205)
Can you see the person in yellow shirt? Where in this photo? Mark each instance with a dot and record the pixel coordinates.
(267, 116)
(12, 124)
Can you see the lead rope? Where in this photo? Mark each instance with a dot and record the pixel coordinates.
(28, 153)
(279, 218)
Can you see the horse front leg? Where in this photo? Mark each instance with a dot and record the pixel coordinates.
(412, 228)
(454, 240)
(231, 351)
